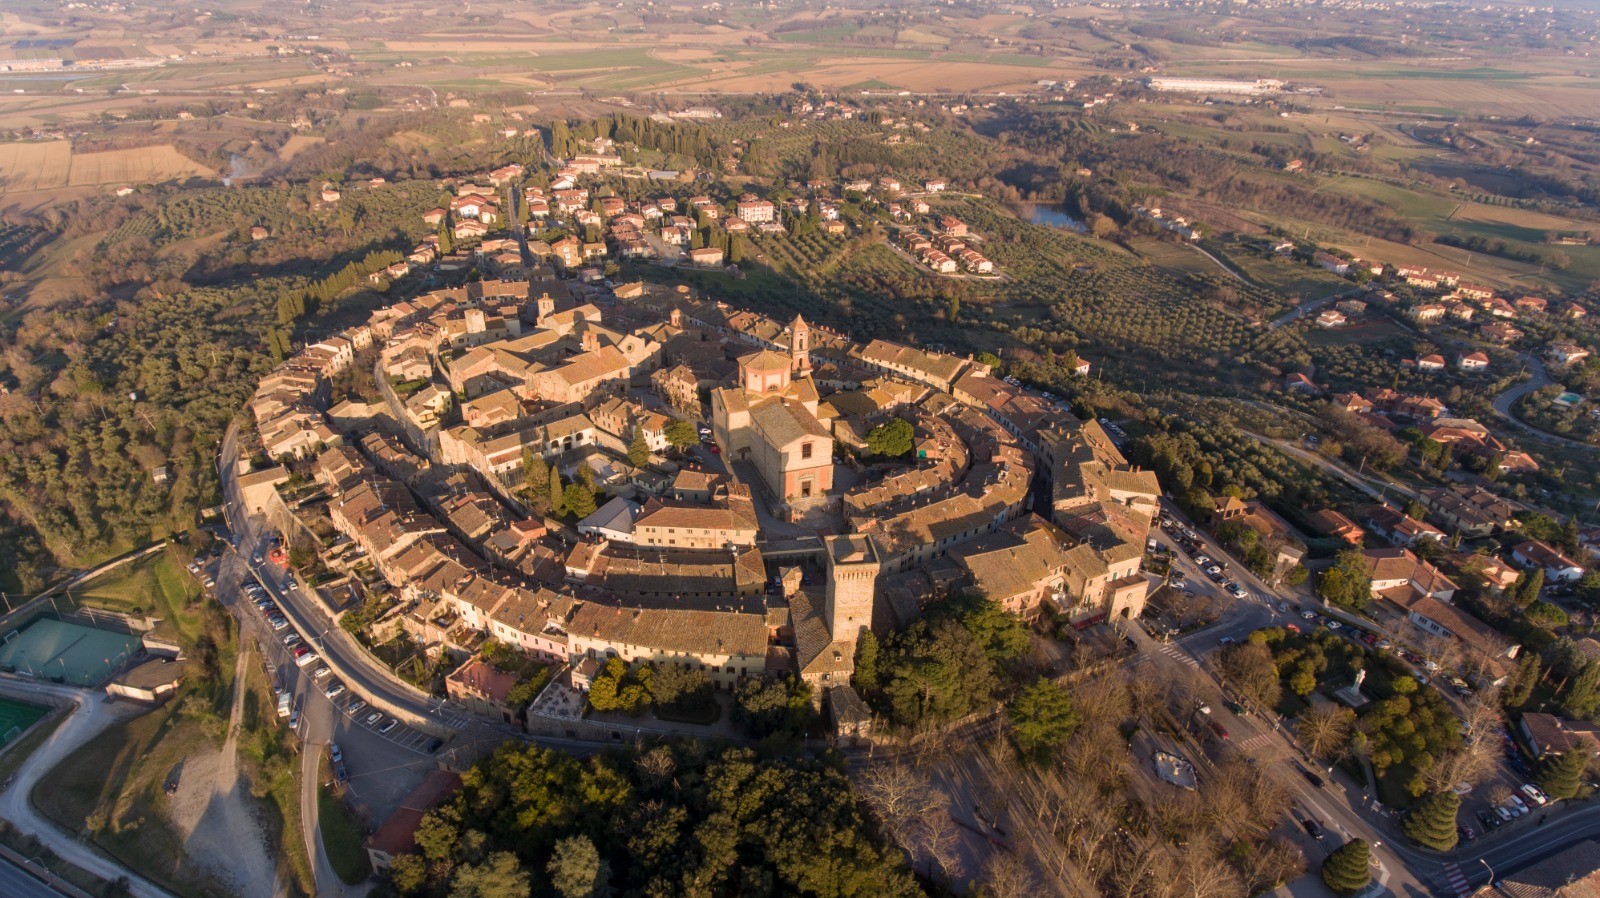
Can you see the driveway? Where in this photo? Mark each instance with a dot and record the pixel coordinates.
(91, 716)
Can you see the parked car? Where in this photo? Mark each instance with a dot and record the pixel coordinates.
(335, 753)
(1518, 806)
(1466, 833)
(334, 690)
(279, 623)
(388, 725)
(292, 639)
(321, 672)
(1535, 794)
(1308, 615)
(1235, 707)
(1312, 829)
(373, 718)
(1333, 624)
(1222, 732)
(1292, 628)
(1226, 640)
(356, 706)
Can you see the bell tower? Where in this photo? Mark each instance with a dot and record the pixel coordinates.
(800, 345)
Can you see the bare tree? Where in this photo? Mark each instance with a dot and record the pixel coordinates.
(1006, 877)
(1274, 863)
(936, 837)
(1480, 744)
(899, 795)
(1323, 729)
(1202, 873)
(1143, 868)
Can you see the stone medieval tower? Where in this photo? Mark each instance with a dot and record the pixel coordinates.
(852, 585)
(800, 346)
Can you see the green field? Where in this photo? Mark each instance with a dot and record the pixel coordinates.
(16, 717)
(156, 585)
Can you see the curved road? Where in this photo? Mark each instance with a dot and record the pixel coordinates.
(1507, 401)
(92, 714)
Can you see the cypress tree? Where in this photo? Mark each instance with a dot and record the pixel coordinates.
(1560, 775)
(1346, 871)
(1432, 823)
(638, 451)
(557, 495)
(535, 473)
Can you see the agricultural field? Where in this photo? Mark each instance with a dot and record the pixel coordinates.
(37, 165)
(46, 165)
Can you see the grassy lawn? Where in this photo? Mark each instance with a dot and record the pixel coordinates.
(156, 585)
(1287, 277)
(342, 836)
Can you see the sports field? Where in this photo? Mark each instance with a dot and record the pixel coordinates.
(16, 717)
(66, 653)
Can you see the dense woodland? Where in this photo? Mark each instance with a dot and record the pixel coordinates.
(671, 820)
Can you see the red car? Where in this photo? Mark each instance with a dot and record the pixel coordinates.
(715, 449)
(1219, 730)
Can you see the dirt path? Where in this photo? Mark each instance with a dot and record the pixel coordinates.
(212, 810)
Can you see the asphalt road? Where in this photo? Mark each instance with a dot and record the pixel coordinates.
(18, 883)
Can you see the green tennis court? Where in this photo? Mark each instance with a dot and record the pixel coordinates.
(16, 717)
(66, 653)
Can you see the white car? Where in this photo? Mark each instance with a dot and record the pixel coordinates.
(1308, 615)
(1517, 805)
(321, 672)
(1179, 583)
(1535, 794)
(334, 690)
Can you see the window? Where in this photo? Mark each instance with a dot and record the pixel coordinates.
(805, 450)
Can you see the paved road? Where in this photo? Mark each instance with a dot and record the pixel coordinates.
(1506, 402)
(92, 715)
(18, 883)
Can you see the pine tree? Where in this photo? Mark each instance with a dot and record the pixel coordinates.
(1582, 694)
(1432, 823)
(579, 500)
(1561, 775)
(1347, 869)
(638, 450)
(1519, 687)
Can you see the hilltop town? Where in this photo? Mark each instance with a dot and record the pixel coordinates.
(762, 548)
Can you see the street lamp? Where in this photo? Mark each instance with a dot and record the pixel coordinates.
(1486, 866)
